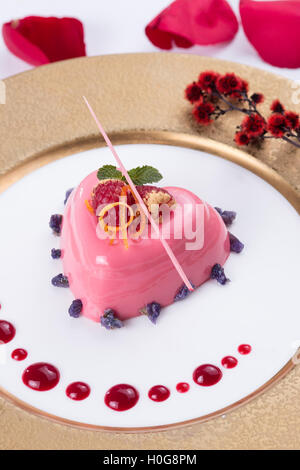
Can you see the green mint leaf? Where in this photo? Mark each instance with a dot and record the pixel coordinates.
(109, 172)
(144, 175)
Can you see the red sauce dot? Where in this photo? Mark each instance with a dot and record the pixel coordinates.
(78, 391)
(182, 387)
(207, 375)
(7, 331)
(229, 362)
(19, 354)
(121, 397)
(244, 348)
(41, 376)
(159, 393)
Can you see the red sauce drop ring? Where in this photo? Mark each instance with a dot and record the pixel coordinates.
(41, 376)
(159, 393)
(19, 354)
(78, 391)
(7, 331)
(229, 362)
(182, 387)
(244, 349)
(121, 397)
(207, 375)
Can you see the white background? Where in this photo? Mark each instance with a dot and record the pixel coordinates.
(117, 26)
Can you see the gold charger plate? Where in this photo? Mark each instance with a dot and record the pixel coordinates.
(139, 98)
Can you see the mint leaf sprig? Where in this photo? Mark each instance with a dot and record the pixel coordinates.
(109, 172)
(140, 175)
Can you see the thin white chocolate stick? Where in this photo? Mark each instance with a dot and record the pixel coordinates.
(169, 251)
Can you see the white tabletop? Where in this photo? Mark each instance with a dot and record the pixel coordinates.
(117, 26)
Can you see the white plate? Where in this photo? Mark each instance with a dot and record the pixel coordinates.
(258, 307)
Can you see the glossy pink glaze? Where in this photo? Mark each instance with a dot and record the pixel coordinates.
(109, 276)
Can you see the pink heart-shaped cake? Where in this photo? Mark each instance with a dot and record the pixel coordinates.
(105, 275)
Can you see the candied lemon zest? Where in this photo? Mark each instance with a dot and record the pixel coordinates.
(123, 226)
(88, 206)
(143, 216)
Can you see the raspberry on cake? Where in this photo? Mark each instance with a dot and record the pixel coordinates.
(154, 198)
(105, 192)
(110, 191)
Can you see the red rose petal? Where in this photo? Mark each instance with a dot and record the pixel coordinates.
(272, 27)
(189, 22)
(38, 40)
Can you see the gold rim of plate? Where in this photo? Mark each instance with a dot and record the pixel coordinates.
(59, 125)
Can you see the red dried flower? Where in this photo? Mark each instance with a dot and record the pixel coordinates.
(277, 124)
(292, 119)
(245, 86)
(257, 98)
(254, 125)
(277, 107)
(243, 89)
(193, 92)
(229, 83)
(242, 138)
(203, 111)
(39, 40)
(207, 80)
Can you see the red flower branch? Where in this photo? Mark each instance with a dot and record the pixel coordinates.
(214, 95)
